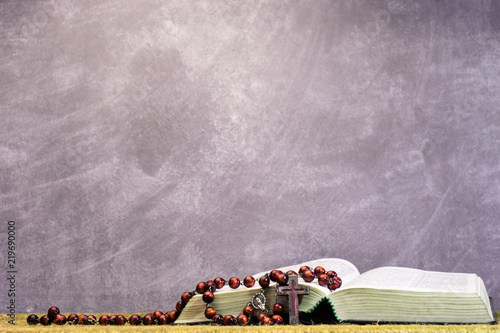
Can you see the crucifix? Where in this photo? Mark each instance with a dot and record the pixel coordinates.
(293, 290)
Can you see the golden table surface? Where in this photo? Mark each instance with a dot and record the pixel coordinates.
(22, 326)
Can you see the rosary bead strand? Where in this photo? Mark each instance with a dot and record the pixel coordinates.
(207, 290)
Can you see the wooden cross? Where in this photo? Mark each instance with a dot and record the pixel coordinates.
(293, 290)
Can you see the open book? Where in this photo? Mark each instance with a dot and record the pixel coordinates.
(386, 294)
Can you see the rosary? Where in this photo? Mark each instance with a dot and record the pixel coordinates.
(286, 285)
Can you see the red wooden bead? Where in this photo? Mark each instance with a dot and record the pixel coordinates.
(103, 320)
(308, 275)
(331, 274)
(60, 319)
(135, 319)
(242, 319)
(234, 282)
(264, 281)
(290, 272)
(277, 319)
(112, 319)
(211, 286)
(44, 320)
(219, 282)
(248, 311)
(249, 281)
(52, 312)
(333, 286)
(217, 319)
(163, 320)
(172, 315)
(201, 287)
(261, 316)
(303, 269)
(278, 309)
(83, 319)
(178, 306)
(228, 320)
(208, 297)
(319, 270)
(323, 279)
(267, 321)
(210, 312)
(120, 320)
(282, 279)
(185, 297)
(273, 274)
(32, 319)
(148, 320)
(92, 319)
(72, 319)
(337, 280)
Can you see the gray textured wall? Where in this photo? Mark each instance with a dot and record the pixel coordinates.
(146, 146)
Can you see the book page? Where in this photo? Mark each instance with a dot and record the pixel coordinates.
(411, 279)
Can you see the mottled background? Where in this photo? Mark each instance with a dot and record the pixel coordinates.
(149, 145)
